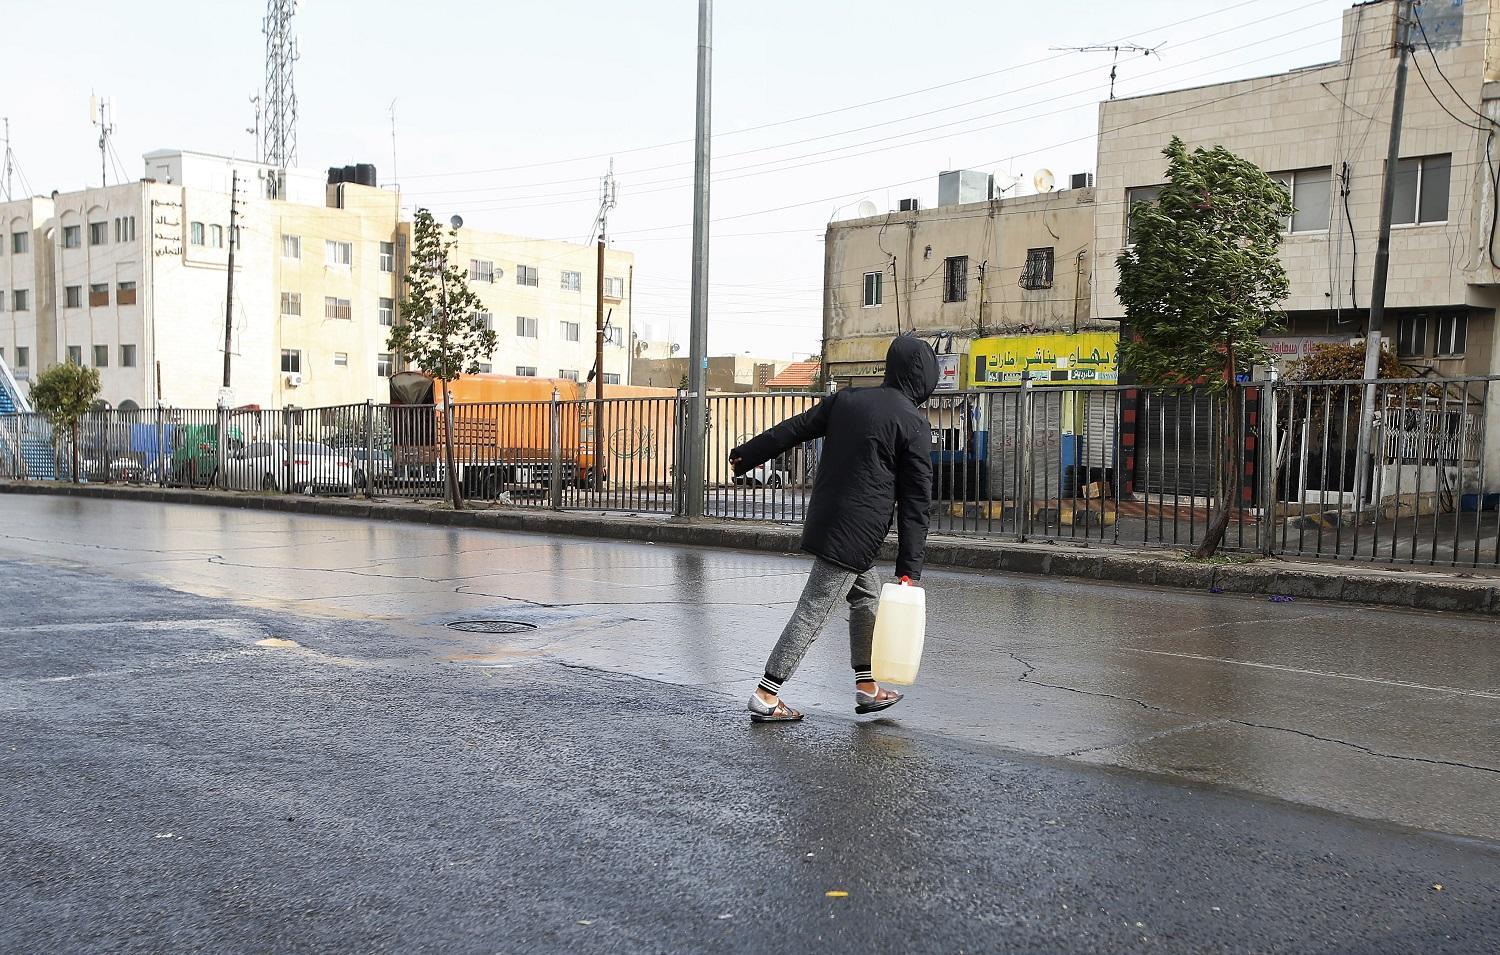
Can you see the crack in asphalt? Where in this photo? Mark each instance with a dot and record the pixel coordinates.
(1031, 668)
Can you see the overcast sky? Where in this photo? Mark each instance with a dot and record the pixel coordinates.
(507, 112)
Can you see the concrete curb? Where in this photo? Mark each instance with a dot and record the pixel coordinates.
(1403, 588)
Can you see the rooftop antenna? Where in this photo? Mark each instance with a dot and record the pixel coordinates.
(99, 110)
(9, 163)
(280, 145)
(255, 130)
(1116, 49)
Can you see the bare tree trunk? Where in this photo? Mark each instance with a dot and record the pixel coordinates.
(455, 498)
(1229, 476)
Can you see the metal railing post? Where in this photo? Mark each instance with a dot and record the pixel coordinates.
(369, 449)
(555, 455)
(286, 446)
(1028, 488)
(1269, 446)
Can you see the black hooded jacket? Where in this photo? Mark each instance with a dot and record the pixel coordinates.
(875, 456)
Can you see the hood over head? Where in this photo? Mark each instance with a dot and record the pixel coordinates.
(911, 366)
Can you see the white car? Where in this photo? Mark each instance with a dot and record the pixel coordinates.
(764, 475)
(264, 466)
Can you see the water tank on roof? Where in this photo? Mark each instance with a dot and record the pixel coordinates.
(364, 174)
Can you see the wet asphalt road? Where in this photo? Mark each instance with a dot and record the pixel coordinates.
(232, 731)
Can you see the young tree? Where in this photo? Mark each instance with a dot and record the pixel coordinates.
(1199, 282)
(440, 332)
(63, 394)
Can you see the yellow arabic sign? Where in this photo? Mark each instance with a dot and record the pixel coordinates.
(1087, 358)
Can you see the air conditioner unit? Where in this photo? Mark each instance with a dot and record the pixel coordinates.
(1081, 180)
(294, 380)
(911, 205)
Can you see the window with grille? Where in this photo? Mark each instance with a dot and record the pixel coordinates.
(291, 303)
(1038, 271)
(874, 289)
(956, 278)
(527, 275)
(337, 308)
(526, 327)
(572, 281)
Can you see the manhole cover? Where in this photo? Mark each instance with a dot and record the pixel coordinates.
(492, 626)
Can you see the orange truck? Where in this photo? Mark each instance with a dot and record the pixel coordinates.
(502, 432)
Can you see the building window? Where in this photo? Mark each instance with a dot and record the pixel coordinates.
(613, 335)
(956, 278)
(611, 379)
(23, 357)
(1133, 198)
(20, 242)
(526, 327)
(481, 270)
(526, 371)
(614, 287)
(101, 356)
(99, 295)
(291, 246)
(387, 256)
(570, 374)
(1038, 271)
(127, 356)
(195, 233)
(1311, 192)
(383, 364)
(20, 300)
(75, 355)
(874, 289)
(527, 275)
(125, 228)
(338, 253)
(125, 293)
(216, 236)
(570, 331)
(387, 312)
(73, 296)
(1422, 190)
(337, 308)
(341, 359)
(291, 361)
(72, 236)
(1411, 336)
(1452, 334)
(98, 233)
(572, 281)
(485, 320)
(486, 368)
(291, 303)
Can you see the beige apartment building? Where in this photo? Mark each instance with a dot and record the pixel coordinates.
(973, 268)
(132, 280)
(1324, 130)
(727, 374)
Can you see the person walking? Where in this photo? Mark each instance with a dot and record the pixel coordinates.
(874, 468)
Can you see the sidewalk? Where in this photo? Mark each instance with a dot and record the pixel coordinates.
(1418, 588)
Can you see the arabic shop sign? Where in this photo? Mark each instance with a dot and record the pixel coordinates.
(1087, 358)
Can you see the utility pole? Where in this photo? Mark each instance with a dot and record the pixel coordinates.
(1363, 455)
(698, 323)
(234, 196)
(606, 203)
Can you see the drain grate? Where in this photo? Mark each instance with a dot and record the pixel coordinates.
(492, 626)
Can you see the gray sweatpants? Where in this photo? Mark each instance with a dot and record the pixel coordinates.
(826, 585)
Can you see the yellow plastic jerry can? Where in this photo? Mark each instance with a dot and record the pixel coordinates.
(900, 628)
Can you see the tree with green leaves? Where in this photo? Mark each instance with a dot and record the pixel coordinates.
(1200, 281)
(62, 395)
(440, 331)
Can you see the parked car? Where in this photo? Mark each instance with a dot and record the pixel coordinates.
(265, 466)
(764, 476)
(380, 468)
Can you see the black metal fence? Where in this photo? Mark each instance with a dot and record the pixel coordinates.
(1280, 463)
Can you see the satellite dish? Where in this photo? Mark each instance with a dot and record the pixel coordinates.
(867, 209)
(1005, 182)
(1043, 180)
(457, 222)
